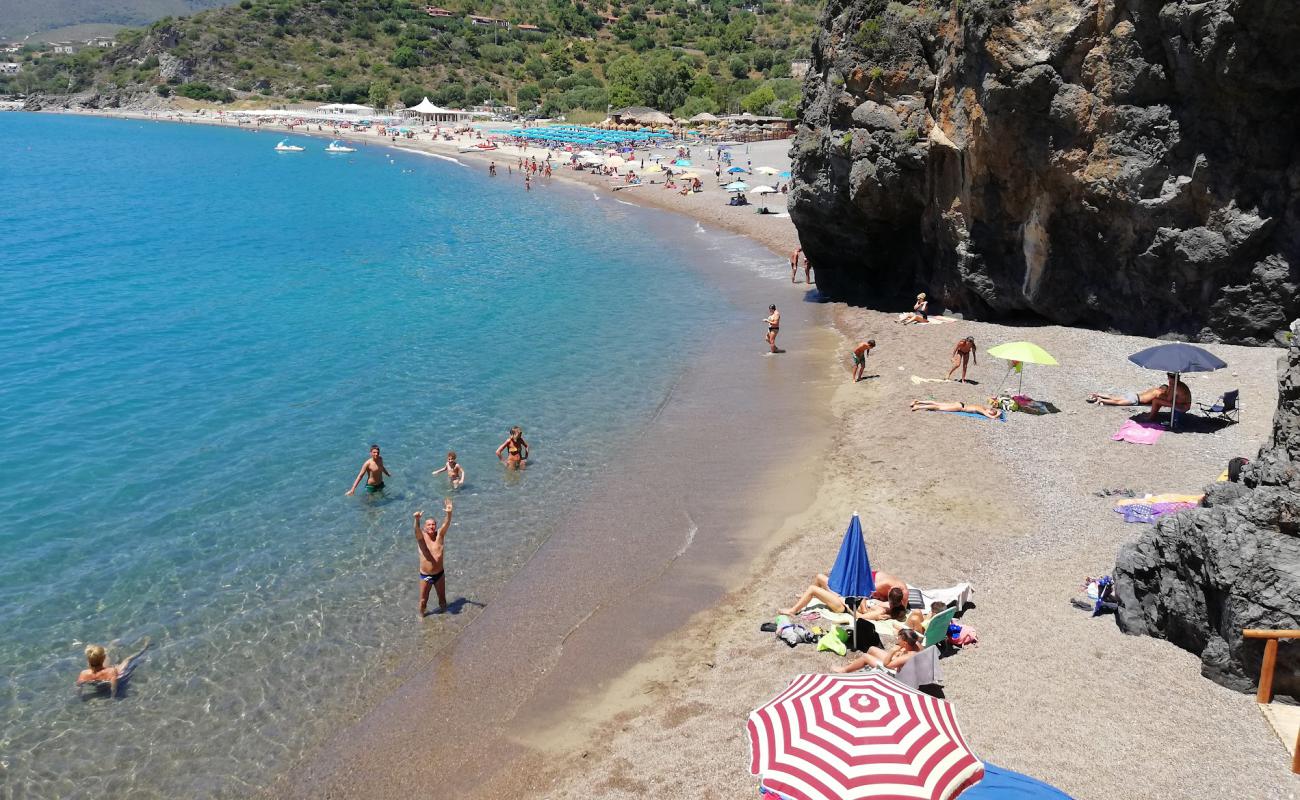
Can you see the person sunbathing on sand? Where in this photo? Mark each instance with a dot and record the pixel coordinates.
(888, 588)
(936, 405)
(1157, 397)
(919, 313)
(908, 644)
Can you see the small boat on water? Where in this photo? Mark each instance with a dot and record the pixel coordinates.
(283, 147)
(335, 147)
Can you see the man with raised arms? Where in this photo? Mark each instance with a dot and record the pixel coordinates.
(430, 539)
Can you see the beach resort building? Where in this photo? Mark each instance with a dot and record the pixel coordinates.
(428, 112)
(434, 11)
(488, 22)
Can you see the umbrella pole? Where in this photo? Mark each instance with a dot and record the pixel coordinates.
(1173, 401)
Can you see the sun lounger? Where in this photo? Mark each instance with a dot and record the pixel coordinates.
(937, 629)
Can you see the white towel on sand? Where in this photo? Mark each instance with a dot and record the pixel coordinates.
(960, 594)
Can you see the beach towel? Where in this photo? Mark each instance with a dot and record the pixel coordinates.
(937, 320)
(917, 379)
(959, 594)
(1152, 507)
(1001, 418)
(1139, 432)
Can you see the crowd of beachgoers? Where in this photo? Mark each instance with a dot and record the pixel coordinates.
(1031, 517)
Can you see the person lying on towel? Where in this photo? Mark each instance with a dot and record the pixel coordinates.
(974, 408)
(1157, 397)
(908, 644)
(891, 591)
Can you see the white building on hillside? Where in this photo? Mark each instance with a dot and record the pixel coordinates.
(10, 68)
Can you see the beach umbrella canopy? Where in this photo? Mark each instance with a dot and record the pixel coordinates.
(1025, 352)
(614, 161)
(1003, 784)
(1177, 357)
(653, 168)
(785, 173)
(738, 186)
(859, 736)
(681, 162)
(762, 190)
(1019, 353)
(690, 176)
(734, 170)
(766, 170)
(851, 575)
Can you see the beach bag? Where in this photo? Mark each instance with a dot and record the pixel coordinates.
(965, 636)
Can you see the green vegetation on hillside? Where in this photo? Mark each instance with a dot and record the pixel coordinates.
(682, 56)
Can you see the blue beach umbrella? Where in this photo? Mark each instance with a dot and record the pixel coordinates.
(738, 186)
(1003, 784)
(1177, 357)
(851, 575)
(681, 162)
(734, 170)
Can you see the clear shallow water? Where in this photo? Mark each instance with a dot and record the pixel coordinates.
(200, 338)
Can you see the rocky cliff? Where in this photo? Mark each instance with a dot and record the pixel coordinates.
(1120, 164)
(1199, 577)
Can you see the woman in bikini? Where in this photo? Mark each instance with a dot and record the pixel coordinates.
(908, 644)
(516, 449)
(935, 405)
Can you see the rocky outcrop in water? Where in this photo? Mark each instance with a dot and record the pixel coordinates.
(1199, 577)
(1120, 164)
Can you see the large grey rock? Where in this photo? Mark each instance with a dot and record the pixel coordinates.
(1199, 577)
(1121, 164)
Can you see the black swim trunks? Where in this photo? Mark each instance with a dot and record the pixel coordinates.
(431, 579)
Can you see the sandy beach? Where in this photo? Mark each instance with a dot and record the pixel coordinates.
(1010, 507)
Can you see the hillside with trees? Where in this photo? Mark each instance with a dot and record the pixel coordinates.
(547, 57)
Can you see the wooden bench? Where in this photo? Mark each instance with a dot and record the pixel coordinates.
(1284, 719)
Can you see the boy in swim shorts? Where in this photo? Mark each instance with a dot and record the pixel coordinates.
(373, 471)
(860, 354)
(430, 539)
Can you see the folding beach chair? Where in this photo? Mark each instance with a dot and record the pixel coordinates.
(1226, 407)
(937, 631)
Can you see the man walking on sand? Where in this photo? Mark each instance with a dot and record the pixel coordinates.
(431, 539)
(961, 354)
(860, 354)
(794, 263)
(773, 326)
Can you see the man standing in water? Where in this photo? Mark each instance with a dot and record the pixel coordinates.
(430, 539)
(773, 326)
(794, 263)
(963, 353)
(373, 471)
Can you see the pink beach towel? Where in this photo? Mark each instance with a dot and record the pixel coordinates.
(1139, 432)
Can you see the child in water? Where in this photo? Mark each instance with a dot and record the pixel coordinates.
(454, 471)
(98, 670)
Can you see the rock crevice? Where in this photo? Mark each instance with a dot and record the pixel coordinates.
(1120, 164)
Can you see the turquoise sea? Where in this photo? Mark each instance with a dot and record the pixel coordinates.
(200, 339)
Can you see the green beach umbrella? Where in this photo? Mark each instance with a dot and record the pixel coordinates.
(1019, 353)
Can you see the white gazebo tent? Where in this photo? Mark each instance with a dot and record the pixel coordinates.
(432, 113)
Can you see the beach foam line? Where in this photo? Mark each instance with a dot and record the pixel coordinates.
(430, 155)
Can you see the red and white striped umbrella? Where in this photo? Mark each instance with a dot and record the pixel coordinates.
(858, 736)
